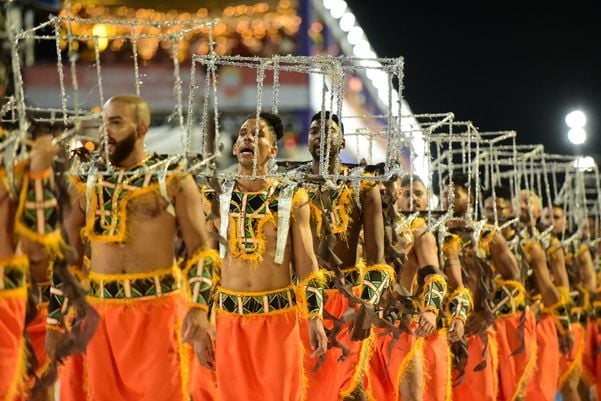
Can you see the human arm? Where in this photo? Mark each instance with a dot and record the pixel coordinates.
(307, 270)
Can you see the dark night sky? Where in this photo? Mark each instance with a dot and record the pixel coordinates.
(503, 65)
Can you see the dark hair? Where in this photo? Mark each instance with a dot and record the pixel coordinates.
(556, 206)
(407, 178)
(273, 120)
(500, 192)
(462, 180)
(328, 116)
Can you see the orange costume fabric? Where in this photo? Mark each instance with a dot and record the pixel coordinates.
(591, 361)
(543, 384)
(572, 363)
(437, 367)
(13, 298)
(136, 352)
(335, 379)
(258, 350)
(387, 367)
(515, 369)
(36, 331)
(481, 385)
(73, 379)
(203, 385)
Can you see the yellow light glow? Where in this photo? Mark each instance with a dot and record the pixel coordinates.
(100, 32)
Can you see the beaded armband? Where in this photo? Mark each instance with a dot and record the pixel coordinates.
(434, 289)
(460, 305)
(37, 213)
(376, 279)
(312, 294)
(510, 297)
(202, 272)
(58, 304)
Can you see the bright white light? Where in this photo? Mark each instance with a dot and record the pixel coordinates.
(362, 49)
(338, 9)
(576, 119)
(584, 163)
(355, 35)
(328, 4)
(577, 136)
(347, 22)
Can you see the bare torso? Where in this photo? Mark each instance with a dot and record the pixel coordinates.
(265, 275)
(150, 242)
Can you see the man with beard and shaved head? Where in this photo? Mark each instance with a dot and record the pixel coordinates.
(128, 214)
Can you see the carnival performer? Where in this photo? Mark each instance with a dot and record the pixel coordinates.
(484, 254)
(437, 355)
(129, 211)
(340, 210)
(546, 301)
(397, 367)
(515, 324)
(257, 350)
(30, 230)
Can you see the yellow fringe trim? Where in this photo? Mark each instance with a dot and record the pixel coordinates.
(53, 242)
(528, 245)
(380, 267)
(234, 240)
(554, 247)
(528, 372)
(184, 362)
(120, 214)
(342, 209)
(20, 262)
(494, 356)
(416, 351)
(518, 300)
(452, 244)
(18, 382)
(322, 279)
(449, 384)
(456, 293)
(13, 293)
(361, 369)
(576, 365)
(300, 197)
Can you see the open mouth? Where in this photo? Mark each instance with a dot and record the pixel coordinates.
(247, 151)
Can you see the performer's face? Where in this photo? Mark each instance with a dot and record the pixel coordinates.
(588, 228)
(418, 193)
(122, 130)
(460, 200)
(529, 209)
(245, 149)
(504, 210)
(332, 132)
(554, 217)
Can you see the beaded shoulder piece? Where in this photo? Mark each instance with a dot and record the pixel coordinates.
(108, 196)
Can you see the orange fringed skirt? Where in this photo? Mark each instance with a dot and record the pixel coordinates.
(515, 369)
(543, 384)
(482, 384)
(258, 350)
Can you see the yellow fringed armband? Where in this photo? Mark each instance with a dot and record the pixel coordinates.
(510, 297)
(433, 293)
(460, 305)
(203, 273)
(376, 279)
(560, 313)
(452, 242)
(37, 213)
(310, 294)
